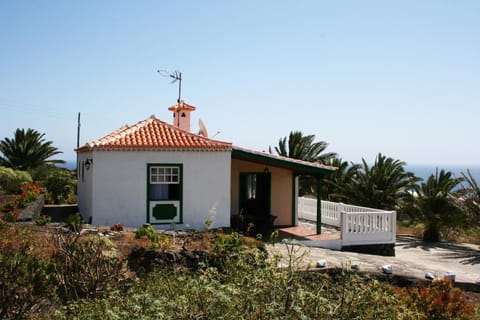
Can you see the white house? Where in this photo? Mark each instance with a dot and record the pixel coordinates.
(160, 173)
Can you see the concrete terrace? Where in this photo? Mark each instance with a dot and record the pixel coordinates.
(306, 231)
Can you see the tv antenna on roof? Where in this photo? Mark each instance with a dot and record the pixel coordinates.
(177, 76)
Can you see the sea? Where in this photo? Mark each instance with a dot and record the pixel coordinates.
(425, 171)
(69, 164)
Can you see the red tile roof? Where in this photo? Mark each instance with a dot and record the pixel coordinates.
(152, 134)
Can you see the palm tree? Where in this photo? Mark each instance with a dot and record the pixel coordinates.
(304, 148)
(471, 198)
(343, 175)
(382, 185)
(436, 205)
(27, 150)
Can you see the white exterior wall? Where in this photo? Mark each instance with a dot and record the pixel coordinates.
(281, 203)
(119, 187)
(84, 185)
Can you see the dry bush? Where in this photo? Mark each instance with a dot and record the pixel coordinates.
(86, 267)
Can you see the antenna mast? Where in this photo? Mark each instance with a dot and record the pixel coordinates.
(176, 76)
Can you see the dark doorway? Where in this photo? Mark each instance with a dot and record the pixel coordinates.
(255, 200)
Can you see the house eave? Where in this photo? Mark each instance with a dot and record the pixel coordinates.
(297, 166)
(153, 149)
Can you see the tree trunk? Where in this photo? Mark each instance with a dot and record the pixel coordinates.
(431, 233)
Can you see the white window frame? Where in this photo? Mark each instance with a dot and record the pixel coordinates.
(168, 175)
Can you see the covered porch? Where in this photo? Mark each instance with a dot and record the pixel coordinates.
(344, 227)
(264, 189)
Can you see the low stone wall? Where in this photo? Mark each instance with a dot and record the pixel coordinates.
(59, 212)
(34, 209)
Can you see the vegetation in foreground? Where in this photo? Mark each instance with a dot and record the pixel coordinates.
(197, 275)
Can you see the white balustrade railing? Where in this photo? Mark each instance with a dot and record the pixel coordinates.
(368, 227)
(359, 225)
(331, 213)
(307, 209)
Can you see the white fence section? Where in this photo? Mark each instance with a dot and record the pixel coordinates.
(368, 227)
(359, 225)
(331, 213)
(307, 209)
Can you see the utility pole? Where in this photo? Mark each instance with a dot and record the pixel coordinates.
(78, 131)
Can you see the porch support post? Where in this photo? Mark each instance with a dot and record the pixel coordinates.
(319, 204)
(295, 200)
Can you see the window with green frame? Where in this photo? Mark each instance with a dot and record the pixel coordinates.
(164, 193)
(164, 183)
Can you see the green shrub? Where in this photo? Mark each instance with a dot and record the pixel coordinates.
(72, 198)
(11, 180)
(43, 220)
(10, 205)
(22, 202)
(229, 242)
(39, 173)
(150, 233)
(74, 222)
(22, 177)
(61, 185)
(10, 216)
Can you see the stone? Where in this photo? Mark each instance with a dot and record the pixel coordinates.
(33, 210)
(449, 276)
(388, 269)
(429, 276)
(322, 263)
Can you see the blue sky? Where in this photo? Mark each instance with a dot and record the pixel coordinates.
(397, 77)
